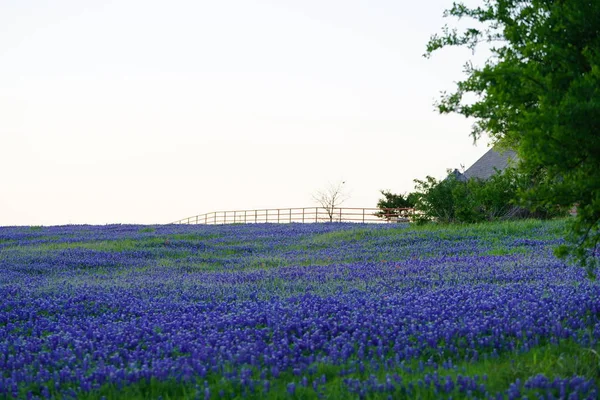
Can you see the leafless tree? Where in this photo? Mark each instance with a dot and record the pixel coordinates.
(331, 198)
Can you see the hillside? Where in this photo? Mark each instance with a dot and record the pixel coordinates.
(295, 310)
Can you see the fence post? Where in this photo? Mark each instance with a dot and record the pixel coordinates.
(382, 215)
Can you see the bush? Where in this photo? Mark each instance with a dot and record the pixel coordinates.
(391, 204)
(474, 200)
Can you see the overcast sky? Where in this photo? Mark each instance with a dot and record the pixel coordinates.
(134, 111)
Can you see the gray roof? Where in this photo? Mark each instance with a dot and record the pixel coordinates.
(491, 162)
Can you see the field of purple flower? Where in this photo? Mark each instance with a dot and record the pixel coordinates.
(295, 311)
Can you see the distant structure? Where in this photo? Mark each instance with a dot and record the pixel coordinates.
(492, 162)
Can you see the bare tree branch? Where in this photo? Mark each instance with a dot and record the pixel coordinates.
(331, 198)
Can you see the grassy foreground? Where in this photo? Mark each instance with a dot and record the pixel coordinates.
(295, 311)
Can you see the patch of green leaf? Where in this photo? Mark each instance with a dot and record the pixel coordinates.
(504, 251)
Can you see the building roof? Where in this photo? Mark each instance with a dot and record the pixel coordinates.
(490, 163)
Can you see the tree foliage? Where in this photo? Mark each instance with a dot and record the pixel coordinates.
(539, 93)
(393, 205)
(452, 200)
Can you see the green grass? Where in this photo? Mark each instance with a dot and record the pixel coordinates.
(446, 231)
(194, 266)
(194, 237)
(501, 251)
(267, 262)
(553, 360)
(126, 244)
(349, 235)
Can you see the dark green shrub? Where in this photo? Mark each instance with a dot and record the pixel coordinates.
(474, 200)
(391, 203)
(436, 200)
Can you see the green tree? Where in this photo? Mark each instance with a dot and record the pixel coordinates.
(539, 93)
(394, 205)
(436, 200)
(453, 200)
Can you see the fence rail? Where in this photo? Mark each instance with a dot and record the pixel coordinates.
(301, 215)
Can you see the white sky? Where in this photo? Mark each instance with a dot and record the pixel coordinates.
(134, 111)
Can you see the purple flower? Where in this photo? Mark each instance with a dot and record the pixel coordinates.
(291, 388)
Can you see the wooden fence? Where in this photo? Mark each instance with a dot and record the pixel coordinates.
(301, 215)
